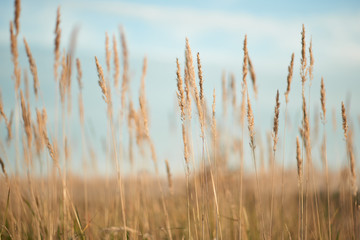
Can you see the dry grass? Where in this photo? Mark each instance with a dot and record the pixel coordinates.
(210, 200)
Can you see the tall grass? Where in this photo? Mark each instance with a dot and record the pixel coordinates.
(210, 200)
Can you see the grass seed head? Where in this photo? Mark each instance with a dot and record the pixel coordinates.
(289, 78)
(299, 159)
(276, 121)
(323, 100)
(57, 43)
(33, 68)
(253, 77)
(116, 63)
(344, 120)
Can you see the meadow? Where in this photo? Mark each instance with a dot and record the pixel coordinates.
(44, 196)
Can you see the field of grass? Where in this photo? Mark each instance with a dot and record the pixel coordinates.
(209, 200)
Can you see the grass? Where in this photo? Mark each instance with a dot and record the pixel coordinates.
(209, 201)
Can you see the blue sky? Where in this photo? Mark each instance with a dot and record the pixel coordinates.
(216, 29)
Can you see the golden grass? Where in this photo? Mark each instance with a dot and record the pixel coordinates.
(208, 201)
(253, 76)
(33, 68)
(289, 78)
(57, 43)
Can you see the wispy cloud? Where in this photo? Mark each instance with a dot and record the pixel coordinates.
(334, 34)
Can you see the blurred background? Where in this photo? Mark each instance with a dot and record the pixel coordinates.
(215, 29)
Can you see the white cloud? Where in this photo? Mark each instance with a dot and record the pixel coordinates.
(334, 34)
